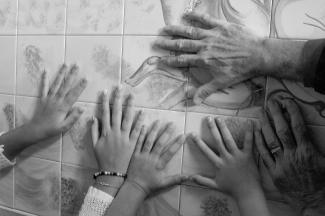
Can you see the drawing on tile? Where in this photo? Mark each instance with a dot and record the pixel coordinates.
(7, 15)
(8, 109)
(241, 96)
(34, 63)
(79, 131)
(213, 206)
(69, 193)
(104, 61)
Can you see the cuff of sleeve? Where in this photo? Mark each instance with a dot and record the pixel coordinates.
(4, 161)
(96, 202)
(311, 57)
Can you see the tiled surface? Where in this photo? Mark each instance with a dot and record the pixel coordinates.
(111, 42)
(37, 186)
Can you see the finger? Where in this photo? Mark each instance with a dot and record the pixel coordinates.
(204, 181)
(72, 118)
(173, 180)
(128, 115)
(151, 137)
(67, 82)
(263, 151)
(44, 85)
(216, 136)
(179, 45)
(205, 91)
(137, 126)
(141, 138)
(204, 20)
(172, 149)
(58, 80)
(270, 138)
(281, 127)
(215, 159)
(106, 126)
(72, 96)
(117, 109)
(248, 142)
(163, 139)
(226, 135)
(184, 31)
(180, 61)
(94, 131)
(297, 122)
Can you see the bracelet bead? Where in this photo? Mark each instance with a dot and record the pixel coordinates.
(108, 173)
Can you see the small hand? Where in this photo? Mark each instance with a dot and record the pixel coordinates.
(228, 53)
(236, 172)
(296, 167)
(152, 154)
(115, 142)
(54, 113)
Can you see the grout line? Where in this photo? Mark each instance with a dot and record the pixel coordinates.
(16, 211)
(122, 42)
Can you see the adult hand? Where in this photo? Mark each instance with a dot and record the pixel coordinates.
(54, 113)
(115, 142)
(296, 167)
(228, 52)
(236, 172)
(152, 153)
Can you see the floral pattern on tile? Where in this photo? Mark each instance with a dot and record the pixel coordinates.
(298, 19)
(34, 55)
(312, 103)
(48, 149)
(8, 11)
(7, 61)
(99, 59)
(199, 201)
(75, 182)
(94, 17)
(154, 85)
(37, 186)
(41, 16)
(7, 110)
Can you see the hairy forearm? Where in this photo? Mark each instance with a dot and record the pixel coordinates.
(16, 140)
(130, 195)
(252, 203)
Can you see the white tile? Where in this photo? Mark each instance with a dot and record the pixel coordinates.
(153, 86)
(95, 17)
(298, 19)
(99, 59)
(49, 149)
(41, 16)
(34, 54)
(8, 11)
(7, 73)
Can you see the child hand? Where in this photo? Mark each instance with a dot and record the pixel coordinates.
(115, 143)
(152, 154)
(54, 113)
(236, 172)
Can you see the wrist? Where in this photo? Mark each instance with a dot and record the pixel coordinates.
(247, 191)
(109, 184)
(136, 186)
(34, 132)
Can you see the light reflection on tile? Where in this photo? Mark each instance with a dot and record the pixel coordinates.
(99, 60)
(8, 11)
(41, 16)
(37, 186)
(7, 62)
(47, 149)
(94, 17)
(75, 182)
(36, 54)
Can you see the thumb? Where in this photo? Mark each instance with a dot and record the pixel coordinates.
(204, 181)
(174, 180)
(94, 131)
(205, 91)
(72, 118)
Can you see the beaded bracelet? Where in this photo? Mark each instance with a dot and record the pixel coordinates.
(107, 173)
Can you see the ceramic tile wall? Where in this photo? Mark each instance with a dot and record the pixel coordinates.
(111, 42)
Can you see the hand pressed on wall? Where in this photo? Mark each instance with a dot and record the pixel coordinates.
(228, 52)
(54, 113)
(295, 165)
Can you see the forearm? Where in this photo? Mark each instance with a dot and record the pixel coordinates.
(131, 195)
(252, 203)
(16, 140)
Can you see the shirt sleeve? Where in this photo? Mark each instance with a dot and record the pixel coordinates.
(4, 161)
(314, 64)
(95, 203)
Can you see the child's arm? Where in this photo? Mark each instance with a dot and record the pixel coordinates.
(236, 172)
(54, 113)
